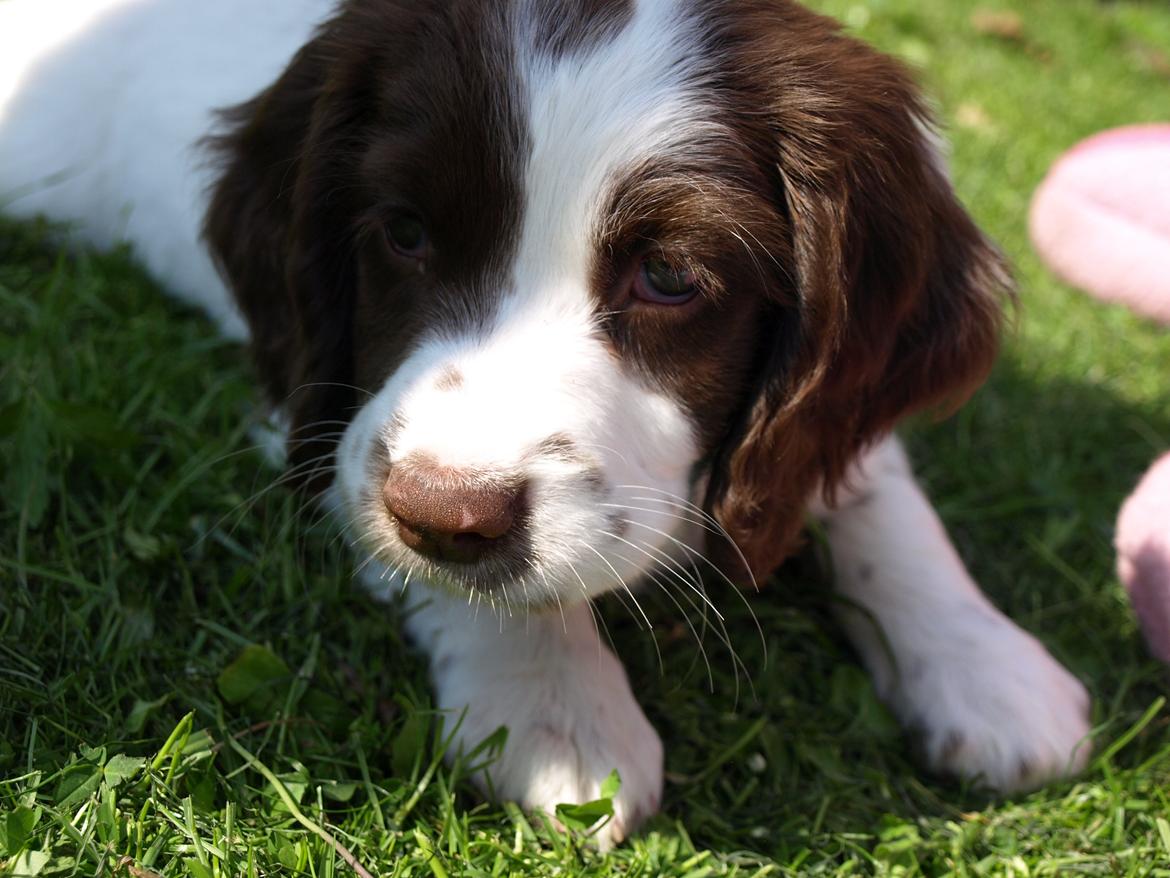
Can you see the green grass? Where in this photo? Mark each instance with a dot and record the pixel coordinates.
(173, 648)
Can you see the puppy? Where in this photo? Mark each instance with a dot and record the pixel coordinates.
(598, 290)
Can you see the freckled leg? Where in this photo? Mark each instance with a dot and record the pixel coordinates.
(988, 700)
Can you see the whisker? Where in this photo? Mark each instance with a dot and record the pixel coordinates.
(722, 633)
(608, 448)
(312, 425)
(241, 508)
(688, 519)
(695, 553)
(653, 577)
(507, 605)
(593, 612)
(357, 571)
(664, 557)
(683, 503)
(677, 570)
(310, 384)
(618, 577)
(561, 608)
(628, 591)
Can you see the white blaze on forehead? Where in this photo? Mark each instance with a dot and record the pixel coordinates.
(516, 389)
(541, 368)
(629, 96)
(530, 380)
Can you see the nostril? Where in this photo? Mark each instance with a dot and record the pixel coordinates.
(465, 546)
(470, 539)
(412, 535)
(486, 515)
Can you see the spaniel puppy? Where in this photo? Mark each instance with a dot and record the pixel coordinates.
(597, 288)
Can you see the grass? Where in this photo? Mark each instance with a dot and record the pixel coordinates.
(191, 685)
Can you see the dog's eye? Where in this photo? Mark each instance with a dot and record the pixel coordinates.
(407, 236)
(660, 281)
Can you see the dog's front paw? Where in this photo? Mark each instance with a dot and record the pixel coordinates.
(997, 709)
(571, 722)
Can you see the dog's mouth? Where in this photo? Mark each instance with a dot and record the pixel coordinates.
(556, 550)
(460, 548)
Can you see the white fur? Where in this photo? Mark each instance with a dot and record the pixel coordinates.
(542, 369)
(102, 103)
(989, 701)
(563, 696)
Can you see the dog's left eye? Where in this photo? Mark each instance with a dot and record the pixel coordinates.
(664, 283)
(407, 235)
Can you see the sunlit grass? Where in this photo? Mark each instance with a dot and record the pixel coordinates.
(178, 663)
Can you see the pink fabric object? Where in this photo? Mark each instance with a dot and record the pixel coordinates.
(1101, 218)
(1143, 555)
(1101, 221)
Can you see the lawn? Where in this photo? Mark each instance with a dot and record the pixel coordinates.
(191, 684)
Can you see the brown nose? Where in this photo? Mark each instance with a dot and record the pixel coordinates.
(444, 514)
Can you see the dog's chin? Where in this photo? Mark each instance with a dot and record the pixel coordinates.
(513, 577)
(503, 580)
(504, 585)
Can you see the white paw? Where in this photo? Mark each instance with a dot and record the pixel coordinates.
(995, 708)
(570, 723)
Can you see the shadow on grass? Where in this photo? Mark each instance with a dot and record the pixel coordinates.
(150, 572)
(1029, 478)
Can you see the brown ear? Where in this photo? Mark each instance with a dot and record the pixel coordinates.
(279, 242)
(900, 297)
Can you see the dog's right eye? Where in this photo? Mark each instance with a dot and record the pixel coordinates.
(406, 236)
(664, 283)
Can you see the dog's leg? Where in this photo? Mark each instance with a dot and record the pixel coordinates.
(989, 701)
(562, 694)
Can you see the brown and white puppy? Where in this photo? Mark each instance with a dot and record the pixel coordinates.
(597, 289)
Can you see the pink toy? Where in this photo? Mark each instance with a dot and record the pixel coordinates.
(1143, 555)
(1101, 220)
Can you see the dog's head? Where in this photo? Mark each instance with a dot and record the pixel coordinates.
(575, 280)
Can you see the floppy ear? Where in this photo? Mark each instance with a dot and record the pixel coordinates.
(280, 244)
(899, 296)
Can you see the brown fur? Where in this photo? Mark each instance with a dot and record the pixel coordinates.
(844, 287)
(381, 110)
(900, 295)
